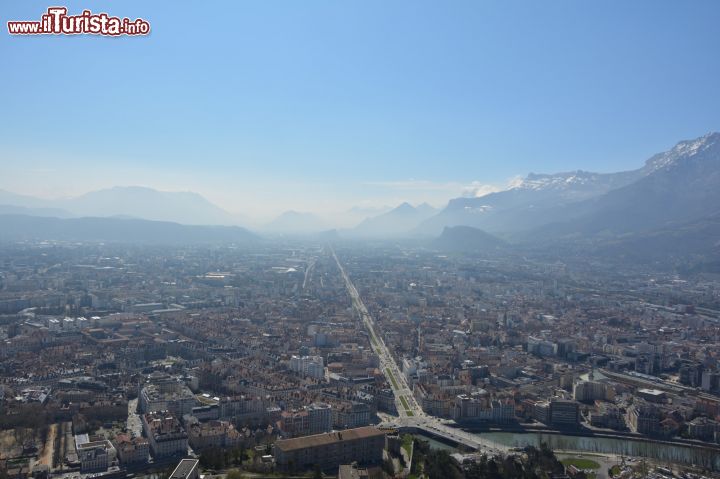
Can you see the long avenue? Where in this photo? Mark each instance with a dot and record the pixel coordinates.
(410, 413)
(404, 399)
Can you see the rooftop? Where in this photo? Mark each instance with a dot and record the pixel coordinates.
(328, 438)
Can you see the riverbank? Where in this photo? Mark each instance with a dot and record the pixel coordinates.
(669, 452)
(608, 434)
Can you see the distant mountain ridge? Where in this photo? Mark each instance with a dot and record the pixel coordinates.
(88, 229)
(466, 239)
(679, 184)
(396, 222)
(538, 199)
(132, 201)
(296, 222)
(23, 210)
(675, 189)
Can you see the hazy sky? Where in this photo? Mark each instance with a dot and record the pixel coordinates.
(265, 106)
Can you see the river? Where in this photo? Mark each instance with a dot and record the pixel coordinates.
(671, 453)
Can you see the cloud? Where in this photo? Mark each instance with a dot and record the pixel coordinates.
(477, 189)
(515, 181)
(451, 188)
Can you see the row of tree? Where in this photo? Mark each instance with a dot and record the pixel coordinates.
(535, 463)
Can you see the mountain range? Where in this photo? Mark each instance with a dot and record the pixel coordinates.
(89, 229)
(668, 209)
(466, 239)
(396, 222)
(670, 203)
(128, 201)
(296, 222)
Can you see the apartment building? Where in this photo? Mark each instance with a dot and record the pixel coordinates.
(362, 445)
(165, 434)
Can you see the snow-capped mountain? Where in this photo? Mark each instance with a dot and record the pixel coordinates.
(680, 152)
(678, 186)
(679, 183)
(576, 185)
(535, 200)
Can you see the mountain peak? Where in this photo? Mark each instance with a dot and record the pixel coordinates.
(425, 207)
(396, 222)
(681, 151)
(564, 180)
(405, 206)
(293, 222)
(143, 202)
(467, 239)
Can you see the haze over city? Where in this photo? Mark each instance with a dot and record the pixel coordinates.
(360, 240)
(324, 106)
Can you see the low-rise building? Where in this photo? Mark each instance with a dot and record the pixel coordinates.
(351, 415)
(564, 413)
(94, 455)
(312, 419)
(212, 434)
(479, 408)
(702, 428)
(132, 451)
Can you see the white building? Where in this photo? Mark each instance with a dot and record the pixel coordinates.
(54, 324)
(165, 434)
(313, 419)
(167, 394)
(308, 366)
(132, 450)
(591, 390)
(94, 456)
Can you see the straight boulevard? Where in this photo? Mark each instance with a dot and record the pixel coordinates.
(410, 414)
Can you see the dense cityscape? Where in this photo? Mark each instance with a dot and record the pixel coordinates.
(321, 239)
(119, 358)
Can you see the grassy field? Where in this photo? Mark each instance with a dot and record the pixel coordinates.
(581, 463)
(406, 405)
(407, 441)
(392, 378)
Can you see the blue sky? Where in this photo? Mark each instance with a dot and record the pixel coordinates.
(321, 105)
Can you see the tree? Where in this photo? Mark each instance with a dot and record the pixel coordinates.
(234, 474)
(439, 465)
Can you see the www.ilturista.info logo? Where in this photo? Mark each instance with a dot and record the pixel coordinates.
(57, 22)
